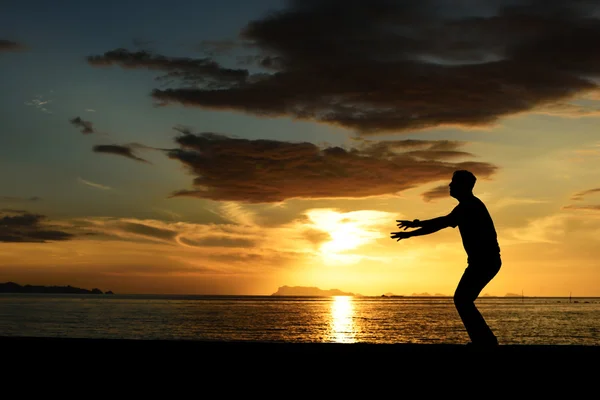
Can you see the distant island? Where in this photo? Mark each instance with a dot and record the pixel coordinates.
(309, 291)
(11, 287)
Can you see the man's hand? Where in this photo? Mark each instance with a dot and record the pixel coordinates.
(407, 224)
(400, 235)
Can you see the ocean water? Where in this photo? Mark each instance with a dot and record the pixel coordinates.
(296, 319)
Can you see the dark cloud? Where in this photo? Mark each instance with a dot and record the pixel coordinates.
(438, 192)
(9, 45)
(388, 65)
(193, 71)
(264, 171)
(21, 226)
(581, 195)
(120, 150)
(85, 126)
(17, 199)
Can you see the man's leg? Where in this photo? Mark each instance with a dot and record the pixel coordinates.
(474, 279)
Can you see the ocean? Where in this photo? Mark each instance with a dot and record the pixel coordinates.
(548, 321)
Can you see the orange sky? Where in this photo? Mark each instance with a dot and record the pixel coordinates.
(167, 153)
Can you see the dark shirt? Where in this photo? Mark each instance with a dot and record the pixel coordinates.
(476, 229)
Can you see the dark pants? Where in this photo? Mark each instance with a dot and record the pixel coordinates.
(474, 279)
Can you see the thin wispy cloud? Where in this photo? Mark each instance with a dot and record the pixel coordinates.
(217, 248)
(580, 195)
(438, 192)
(119, 150)
(388, 66)
(583, 195)
(589, 207)
(171, 214)
(330, 234)
(94, 184)
(549, 229)
(40, 102)
(236, 213)
(569, 110)
(516, 201)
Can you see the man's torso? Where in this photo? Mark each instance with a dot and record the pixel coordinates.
(476, 229)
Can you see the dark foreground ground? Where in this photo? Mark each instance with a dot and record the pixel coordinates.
(216, 350)
(245, 367)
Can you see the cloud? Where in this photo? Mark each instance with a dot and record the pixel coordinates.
(443, 191)
(569, 110)
(390, 66)
(437, 192)
(329, 235)
(564, 228)
(85, 126)
(550, 229)
(120, 150)
(93, 184)
(40, 103)
(22, 226)
(270, 171)
(581, 195)
(591, 207)
(18, 199)
(217, 248)
(10, 46)
(513, 201)
(236, 213)
(205, 70)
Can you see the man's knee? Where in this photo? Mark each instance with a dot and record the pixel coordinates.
(461, 299)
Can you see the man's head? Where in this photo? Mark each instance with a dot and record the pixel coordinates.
(462, 183)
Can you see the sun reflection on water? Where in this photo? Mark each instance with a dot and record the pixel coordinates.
(342, 329)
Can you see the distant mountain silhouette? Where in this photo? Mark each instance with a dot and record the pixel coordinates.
(390, 294)
(425, 294)
(11, 287)
(309, 291)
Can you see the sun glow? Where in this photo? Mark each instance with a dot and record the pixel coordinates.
(347, 231)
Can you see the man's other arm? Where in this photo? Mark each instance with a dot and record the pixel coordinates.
(431, 225)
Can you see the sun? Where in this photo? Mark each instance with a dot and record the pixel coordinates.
(347, 232)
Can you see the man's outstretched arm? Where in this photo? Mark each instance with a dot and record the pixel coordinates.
(426, 227)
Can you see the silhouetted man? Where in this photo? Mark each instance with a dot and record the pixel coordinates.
(481, 245)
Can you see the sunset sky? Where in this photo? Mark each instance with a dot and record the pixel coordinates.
(234, 147)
